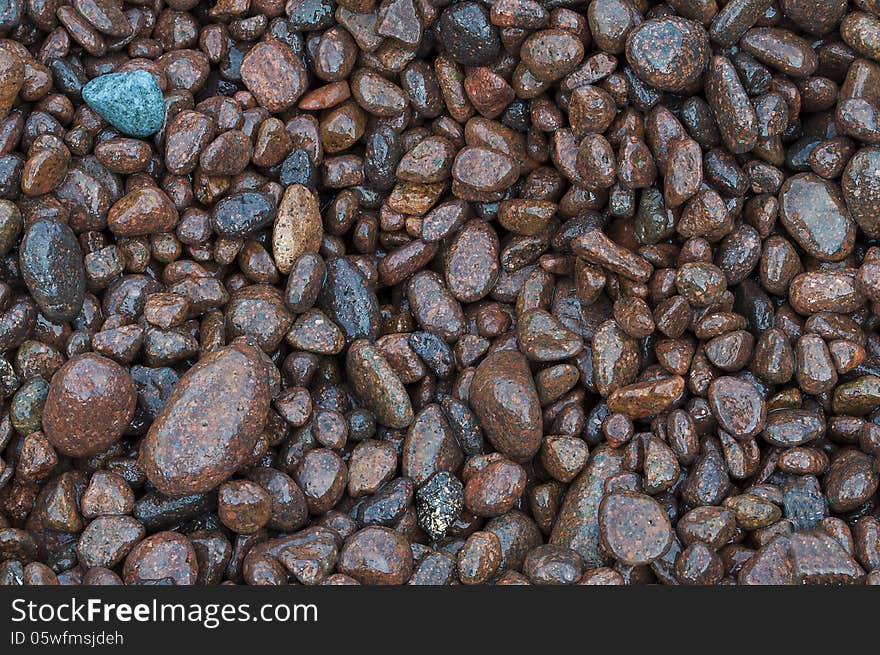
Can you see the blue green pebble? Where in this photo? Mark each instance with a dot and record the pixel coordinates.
(131, 102)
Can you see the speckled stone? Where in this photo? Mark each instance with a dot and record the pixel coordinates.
(577, 525)
(377, 555)
(669, 53)
(635, 528)
(52, 268)
(131, 101)
(378, 385)
(298, 229)
(439, 503)
(504, 398)
(162, 556)
(90, 402)
(11, 78)
(210, 423)
(108, 539)
(861, 190)
(349, 301)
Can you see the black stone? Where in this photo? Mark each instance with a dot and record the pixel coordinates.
(439, 503)
(468, 35)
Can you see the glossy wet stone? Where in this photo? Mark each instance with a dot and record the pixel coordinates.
(820, 291)
(818, 558)
(484, 170)
(164, 555)
(186, 135)
(378, 385)
(644, 399)
(668, 53)
(90, 402)
(614, 358)
(274, 74)
(322, 476)
(850, 481)
(434, 308)
(52, 267)
(439, 503)
(577, 526)
(597, 248)
(737, 405)
(107, 493)
(131, 101)
(347, 299)
(233, 378)
(108, 539)
(737, 121)
(141, 212)
(479, 558)
(857, 396)
(504, 398)
(11, 80)
(782, 50)
(813, 212)
(297, 230)
(542, 338)
(471, 264)
(494, 489)
(376, 555)
(468, 35)
(429, 447)
(700, 284)
(552, 54)
(860, 189)
(714, 526)
(259, 312)
(243, 506)
(240, 214)
(635, 528)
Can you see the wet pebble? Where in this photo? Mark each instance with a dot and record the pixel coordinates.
(232, 381)
(635, 528)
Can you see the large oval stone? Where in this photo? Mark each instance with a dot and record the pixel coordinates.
(52, 267)
(815, 215)
(210, 423)
(90, 402)
(504, 398)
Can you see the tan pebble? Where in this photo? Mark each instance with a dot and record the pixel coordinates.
(298, 229)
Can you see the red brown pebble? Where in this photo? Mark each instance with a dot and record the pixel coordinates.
(479, 558)
(143, 211)
(504, 398)
(495, 489)
(209, 424)
(644, 399)
(737, 405)
(274, 74)
(669, 53)
(597, 248)
(814, 213)
(243, 506)
(378, 385)
(164, 556)
(37, 458)
(108, 539)
(635, 528)
(107, 493)
(11, 79)
(377, 555)
(91, 400)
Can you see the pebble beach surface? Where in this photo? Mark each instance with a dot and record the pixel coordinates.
(425, 292)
